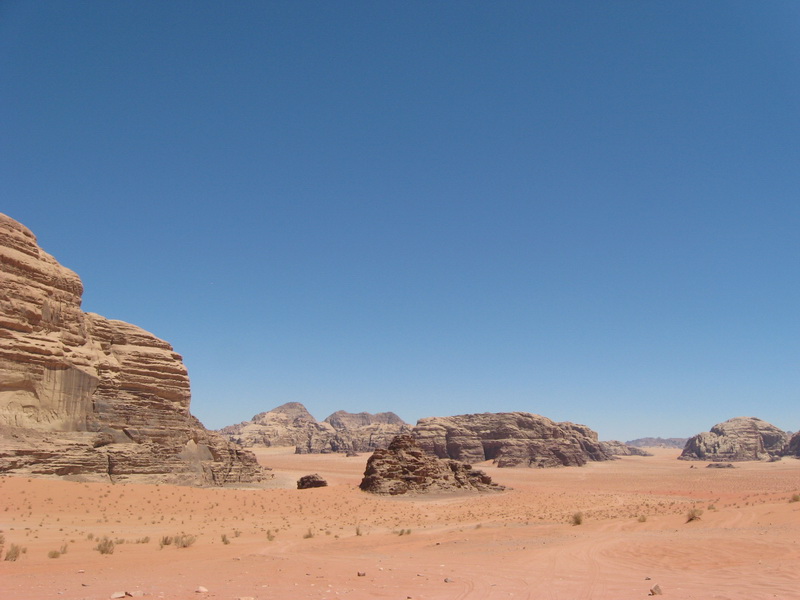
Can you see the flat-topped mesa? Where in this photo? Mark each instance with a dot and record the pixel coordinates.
(88, 396)
(405, 468)
(292, 425)
(737, 439)
(516, 439)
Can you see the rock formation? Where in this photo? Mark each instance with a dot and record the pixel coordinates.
(616, 448)
(793, 449)
(657, 442)
(737, 439)
(87, 396)
(404, 467)
(292, 425)
(515, 439)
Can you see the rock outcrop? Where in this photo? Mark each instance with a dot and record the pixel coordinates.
(515, 439)
(616, 448)
(292, 425)
(87, 396)
(737, 439)
(404, 467)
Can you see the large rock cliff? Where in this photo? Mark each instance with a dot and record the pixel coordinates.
(292, 425)
(737, 439)
(516, 439)
(87, 396)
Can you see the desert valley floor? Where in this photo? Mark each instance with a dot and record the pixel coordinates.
(339, 542)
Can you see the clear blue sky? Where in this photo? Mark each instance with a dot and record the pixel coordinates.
(586, 210)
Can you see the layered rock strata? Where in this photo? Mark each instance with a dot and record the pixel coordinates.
(87, 396)
(515, 439)
(292, 425)
(405, 468)
(737, 439)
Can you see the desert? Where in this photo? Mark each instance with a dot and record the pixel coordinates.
(276, 541)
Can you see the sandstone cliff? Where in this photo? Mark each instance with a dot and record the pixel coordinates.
(404, 467)
(292, 425)
(515, 439)
(88, 396)
(737, 439)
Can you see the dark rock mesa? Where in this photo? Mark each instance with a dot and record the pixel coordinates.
(406, 468)
(89, 397)
(738, 439)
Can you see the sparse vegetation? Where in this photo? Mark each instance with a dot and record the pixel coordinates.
(165, 541)
(693, 515)
(794, 498)
(308, 534)
(14, 552)
(184, 540)
(642, 518)
(53, 554)
(225, 539)
(270, 535)
(105, 546)
(576, 518)
(358, 530)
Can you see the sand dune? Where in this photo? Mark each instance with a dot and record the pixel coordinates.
(289, 543)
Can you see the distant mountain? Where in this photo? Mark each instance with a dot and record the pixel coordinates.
(657, 442)
(292, 425)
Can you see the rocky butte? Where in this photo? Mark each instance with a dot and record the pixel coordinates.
(89, 397)
(405, 468)
(738, 439)
(516, 439)
(291, 424)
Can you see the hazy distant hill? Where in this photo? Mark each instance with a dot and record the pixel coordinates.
(657, 442)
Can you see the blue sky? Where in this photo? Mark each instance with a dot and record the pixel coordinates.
(586, 210)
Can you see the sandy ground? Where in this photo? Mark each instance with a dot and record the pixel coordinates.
(284, 543)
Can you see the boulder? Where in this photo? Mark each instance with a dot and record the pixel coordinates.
(311, 481)
(90, 397)
(405, 467)
(516, 439)
(737, 439)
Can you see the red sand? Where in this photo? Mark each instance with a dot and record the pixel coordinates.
(286, 543)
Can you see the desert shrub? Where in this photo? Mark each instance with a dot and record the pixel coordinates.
(308, 534)
(63, 549)
(184, 540)
(225, 539)
(105, 546)
(14, 552)
(576, 518)
(270, 535)
(358, 530)
(642, 518)
(53, 554)
(166, 541)
(794, 498)
(144, 540)
(693, 515)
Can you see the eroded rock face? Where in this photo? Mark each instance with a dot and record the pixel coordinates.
(515, 439)
(737, 439)
(84, 395)
(314, 480)
(793, 449)
(404, 467)
(292, 425)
